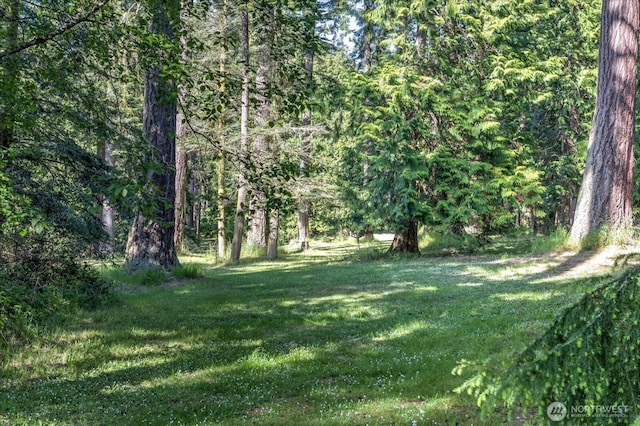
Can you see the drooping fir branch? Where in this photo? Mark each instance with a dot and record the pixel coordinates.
(588, 357)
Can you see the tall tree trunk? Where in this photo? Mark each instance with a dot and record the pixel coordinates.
(181, 181)
(304, 205)
(367, 55)
(106, 245)
(257, 234)
(181, 190)
(238, 226)
(222, 193)
(150, 241)
(606, 193)
(406, 240)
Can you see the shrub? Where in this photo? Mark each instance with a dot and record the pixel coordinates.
(41, 281)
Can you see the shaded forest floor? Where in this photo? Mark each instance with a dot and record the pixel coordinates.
(321, 337)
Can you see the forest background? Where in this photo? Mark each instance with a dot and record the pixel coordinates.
(147, 128)
(142, 129)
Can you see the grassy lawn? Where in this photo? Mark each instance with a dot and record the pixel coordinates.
(310, 339)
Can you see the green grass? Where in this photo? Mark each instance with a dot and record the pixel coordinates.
(312, 338)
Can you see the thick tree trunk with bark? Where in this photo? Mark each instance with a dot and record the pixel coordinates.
(406, 240)
(606, 193)
(150, 241)
(238, 227)
(274, 224)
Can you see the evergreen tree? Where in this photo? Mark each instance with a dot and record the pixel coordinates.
(151, 241)
(606, 194)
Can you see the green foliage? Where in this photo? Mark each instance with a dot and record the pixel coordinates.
(458, 134)
(556, 240)
(154, 276)
(188, 271)
(588, 357)
(46, 283)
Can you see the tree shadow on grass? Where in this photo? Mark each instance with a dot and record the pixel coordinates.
(357, 343)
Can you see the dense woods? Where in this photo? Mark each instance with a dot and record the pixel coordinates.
(296, 120)
(134, 130)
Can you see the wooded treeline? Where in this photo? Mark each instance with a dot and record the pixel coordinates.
(151, 127)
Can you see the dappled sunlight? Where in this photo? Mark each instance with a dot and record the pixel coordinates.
(351, 298)
(404, 330)
(470, 284)
(526, 295)
(344, 342)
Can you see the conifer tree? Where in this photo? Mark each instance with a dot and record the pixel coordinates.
(151, 238)
(606, 194)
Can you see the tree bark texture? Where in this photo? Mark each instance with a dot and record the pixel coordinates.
(274, 224)
(303, 204)
(257, 234)
(221, 194)
(406, 240)
(150, 241)
(238, 226)
(606, 193)
(106, 245)
(181, 193)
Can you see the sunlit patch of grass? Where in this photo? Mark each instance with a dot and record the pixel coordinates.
(314, 338)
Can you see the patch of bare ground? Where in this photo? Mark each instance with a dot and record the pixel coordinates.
(575, 264)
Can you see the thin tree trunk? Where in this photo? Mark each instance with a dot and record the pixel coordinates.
(606, 193)
(181, 191)
(257, 234)
(150, 241)
(181, 181)
(221, 204)
(106, 245)
(367, 55)
(221, 193)
(304, 205)
(238, 228)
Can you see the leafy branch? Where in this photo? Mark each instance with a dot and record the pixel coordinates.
(42, 39)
